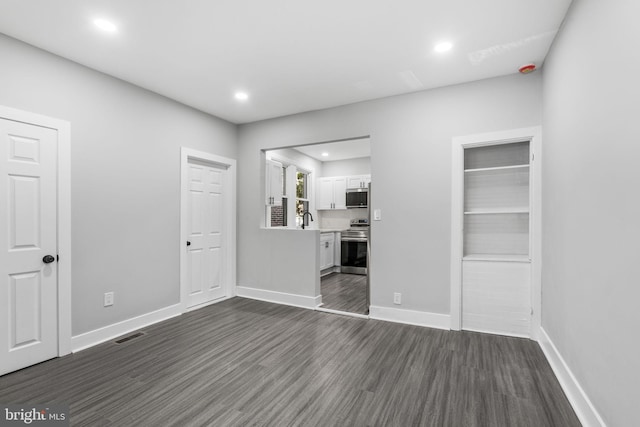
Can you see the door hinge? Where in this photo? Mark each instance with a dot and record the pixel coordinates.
(57, 258)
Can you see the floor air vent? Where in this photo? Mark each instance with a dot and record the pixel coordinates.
(129, 338)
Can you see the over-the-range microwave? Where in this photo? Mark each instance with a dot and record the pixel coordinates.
(357, 197)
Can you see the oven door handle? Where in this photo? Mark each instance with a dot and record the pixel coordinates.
(354, 239)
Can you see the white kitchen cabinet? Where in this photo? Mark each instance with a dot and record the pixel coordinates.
(274, 183)
(327, 250)
(331, 193)
(358, 181)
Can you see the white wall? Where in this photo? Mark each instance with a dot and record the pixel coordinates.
(411, 165)
(591, 205)
(282, 260)
(301, 160)
(359, 166)
(125, 160)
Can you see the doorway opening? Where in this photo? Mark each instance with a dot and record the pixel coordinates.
(336, 195)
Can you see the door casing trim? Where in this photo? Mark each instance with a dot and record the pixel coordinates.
(63, 129)
(459, 143)
(187, 154)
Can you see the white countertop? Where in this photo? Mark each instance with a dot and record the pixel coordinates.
(321, 230)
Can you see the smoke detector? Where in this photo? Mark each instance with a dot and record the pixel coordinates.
(528, 68)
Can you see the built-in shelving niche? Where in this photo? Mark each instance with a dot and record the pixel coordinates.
(496, 202)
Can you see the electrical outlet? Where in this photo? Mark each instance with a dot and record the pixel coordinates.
(108, 299)
(397, 298)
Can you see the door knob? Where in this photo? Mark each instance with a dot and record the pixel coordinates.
(48, 259)
(188, 243)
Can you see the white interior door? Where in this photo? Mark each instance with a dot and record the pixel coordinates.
(28, 224)
(206, 250)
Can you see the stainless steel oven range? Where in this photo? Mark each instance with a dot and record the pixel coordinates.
(353, 245)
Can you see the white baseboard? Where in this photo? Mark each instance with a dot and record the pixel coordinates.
(586, 412)
(342, 313)
(279, 297)
(327, 271)
(95, 337)
(206, 304)
(411, 317)
(501, 333)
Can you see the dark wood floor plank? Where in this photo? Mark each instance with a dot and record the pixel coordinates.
(344, 292)
(244, 362)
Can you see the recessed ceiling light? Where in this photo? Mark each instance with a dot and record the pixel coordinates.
(325, 154)
(241, 96)
(105, 25)
(443, 47)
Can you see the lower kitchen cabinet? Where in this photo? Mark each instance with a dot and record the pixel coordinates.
(329, 251)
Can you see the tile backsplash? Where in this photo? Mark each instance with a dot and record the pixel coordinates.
(340, 219)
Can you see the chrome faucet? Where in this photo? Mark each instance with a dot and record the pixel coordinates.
(306, 213)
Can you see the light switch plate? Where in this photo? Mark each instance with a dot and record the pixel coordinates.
(377, 214)
(108, 299)
(397, 298)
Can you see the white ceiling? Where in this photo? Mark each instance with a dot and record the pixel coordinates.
(289, 55)
(341, 150)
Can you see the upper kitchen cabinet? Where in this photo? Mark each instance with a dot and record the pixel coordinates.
(358, 181)
(332, 193)
(274, 183)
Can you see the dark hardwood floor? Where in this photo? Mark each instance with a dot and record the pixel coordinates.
(244, 362)
(344, 292)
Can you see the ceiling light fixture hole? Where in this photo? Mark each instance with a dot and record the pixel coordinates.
(241, 96)
(443, 47)
(105, 25)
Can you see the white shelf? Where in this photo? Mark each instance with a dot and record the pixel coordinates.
(497, 156)
(498, 211)
(498, 258)
(497, 168)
